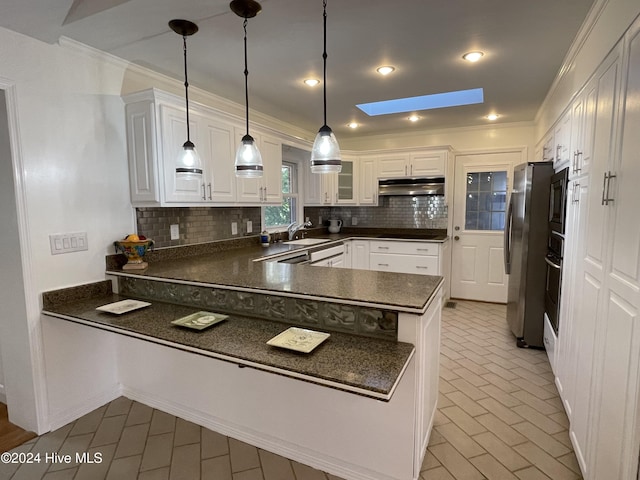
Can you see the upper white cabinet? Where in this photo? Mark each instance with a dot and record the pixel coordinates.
(368, 181)
(268, 188)
(412, 164)
(156, 130)
(562, 138)
(333, 188)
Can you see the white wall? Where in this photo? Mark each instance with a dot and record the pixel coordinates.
(71, 167)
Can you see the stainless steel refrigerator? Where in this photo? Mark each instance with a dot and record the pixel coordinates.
(525, 246)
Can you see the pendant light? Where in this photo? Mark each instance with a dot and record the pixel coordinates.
(188, 165)
(248, 159)
(325, 154)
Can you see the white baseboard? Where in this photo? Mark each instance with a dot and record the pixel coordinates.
(68, 415)
(271, 444)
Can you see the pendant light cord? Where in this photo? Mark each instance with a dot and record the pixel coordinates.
(246, 75)
(186, 83)
(324, 58)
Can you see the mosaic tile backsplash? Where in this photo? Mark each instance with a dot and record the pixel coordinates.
(392, 212)
(197, 224)
(369, 322)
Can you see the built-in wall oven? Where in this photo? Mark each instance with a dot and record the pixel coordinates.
(555, 246)
(553, 260)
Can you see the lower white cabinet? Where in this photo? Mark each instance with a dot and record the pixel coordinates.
(405, 257)
(356, 254)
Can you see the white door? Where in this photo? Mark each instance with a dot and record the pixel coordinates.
(482, 182)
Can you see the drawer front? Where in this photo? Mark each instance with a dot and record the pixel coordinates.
(424, 265)
(406, 248)
(327, 252)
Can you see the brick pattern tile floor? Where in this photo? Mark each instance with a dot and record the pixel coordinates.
(499, 417)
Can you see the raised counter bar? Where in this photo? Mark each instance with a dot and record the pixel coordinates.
(359, 365)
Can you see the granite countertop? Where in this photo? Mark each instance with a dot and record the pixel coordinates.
(365, 366)
(240, 268)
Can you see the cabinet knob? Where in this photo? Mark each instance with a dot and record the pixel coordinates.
(456, 238)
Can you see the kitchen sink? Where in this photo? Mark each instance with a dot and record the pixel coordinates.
(307, 241)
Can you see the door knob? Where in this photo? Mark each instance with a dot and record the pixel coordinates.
(456, 238)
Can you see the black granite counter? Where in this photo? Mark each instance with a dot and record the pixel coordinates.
(365, 366)
(237, 268)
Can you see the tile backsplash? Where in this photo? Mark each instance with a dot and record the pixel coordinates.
(392, 212)
(196, 224)
(207, 224)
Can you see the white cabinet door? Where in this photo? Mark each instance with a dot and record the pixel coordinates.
(360, 254)
(562, 137)
(219, 177)
(142, 153)
(427, 164)
(368, 181)
(174, 134)
(346, 183)
(271, 150)
(266, 190)
(393, 165)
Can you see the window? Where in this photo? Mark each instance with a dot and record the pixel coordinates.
(282, 215)
(486, 200)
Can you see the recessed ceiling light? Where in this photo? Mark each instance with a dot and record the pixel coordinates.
(353, 125)
(413, 118)
(473, 56)
(311, 82)
(492, 116)
(385, 70)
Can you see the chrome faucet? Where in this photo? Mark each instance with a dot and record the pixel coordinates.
(294, 227)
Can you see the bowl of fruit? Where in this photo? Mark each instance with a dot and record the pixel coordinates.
(134, 247)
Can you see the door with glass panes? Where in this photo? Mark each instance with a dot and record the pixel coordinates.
(482, 183)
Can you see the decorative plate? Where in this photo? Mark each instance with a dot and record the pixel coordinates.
(123, 306)
(200, 320)
(299, 339)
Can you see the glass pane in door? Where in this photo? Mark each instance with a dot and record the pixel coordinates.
(486, 200)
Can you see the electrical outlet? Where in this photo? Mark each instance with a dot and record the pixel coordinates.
(320, 221)
(249, 226)
(354, 220)
(175, 231)
(68, 242)
(234, 228)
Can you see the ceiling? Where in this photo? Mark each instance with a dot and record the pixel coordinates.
(524, 42)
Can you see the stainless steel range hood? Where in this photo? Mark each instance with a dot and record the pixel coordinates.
(411, 186)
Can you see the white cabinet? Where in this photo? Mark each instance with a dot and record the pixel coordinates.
(405, 257)
(562, 138)
(412, 164)
(267, 189)
(329, 257)
(156, 131)
(357, 254)
(368, 181)
(332, 188)
(598, 349)
(615, 439)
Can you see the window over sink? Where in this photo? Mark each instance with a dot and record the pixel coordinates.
(281, 216)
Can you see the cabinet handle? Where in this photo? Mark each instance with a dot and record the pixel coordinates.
(209, 187)
(383, 264)
(422, 267)
(558, 148)
(262, 194)
(383, 248)
(606, 185)
(336, 197)
(578, 169)
(204, 195)
(411, 169)
(422, 249)
(576, 192)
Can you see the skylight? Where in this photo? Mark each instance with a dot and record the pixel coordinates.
(424, 102)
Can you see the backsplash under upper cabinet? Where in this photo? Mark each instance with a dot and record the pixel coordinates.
(392, 212)
(196, 224)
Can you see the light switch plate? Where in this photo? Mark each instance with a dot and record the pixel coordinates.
(175, 231)
(249, 226)
(68, 242)
(234, 228)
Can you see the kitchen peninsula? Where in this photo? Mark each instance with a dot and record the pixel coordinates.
(360, 406)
